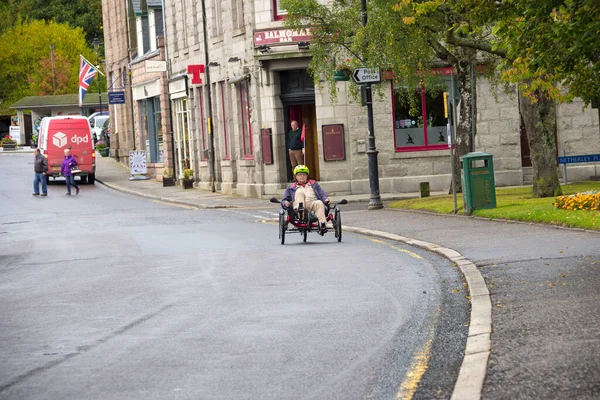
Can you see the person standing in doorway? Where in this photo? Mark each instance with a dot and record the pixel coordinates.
(68, 163)
(296, 145)
(40, 168)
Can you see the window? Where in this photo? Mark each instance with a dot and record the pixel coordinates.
(151, 128)
(182, 135)
(245, 123)
(237, 8)
(149, 25)
(202, 127)
(421, 125)
(278, 12)
(224, 120)
(216, 18)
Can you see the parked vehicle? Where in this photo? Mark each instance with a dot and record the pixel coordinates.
(97, 121)
(105, 133)
(68, 132)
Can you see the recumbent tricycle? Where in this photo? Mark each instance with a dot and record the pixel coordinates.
(303, 221)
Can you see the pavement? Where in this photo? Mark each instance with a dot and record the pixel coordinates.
(535, 304)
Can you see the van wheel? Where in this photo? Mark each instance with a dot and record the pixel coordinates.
(83, 178)
(47, 179)
(91, 179)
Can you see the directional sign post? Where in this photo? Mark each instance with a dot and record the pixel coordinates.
(366, 75)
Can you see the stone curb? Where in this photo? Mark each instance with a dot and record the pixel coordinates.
(162, 198)
(471, 376)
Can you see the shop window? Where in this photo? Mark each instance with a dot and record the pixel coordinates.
(245, 123)
(202, 127)
(182, 134)
(151, 129)
(419, 122)
(224, 120)
(278, 12)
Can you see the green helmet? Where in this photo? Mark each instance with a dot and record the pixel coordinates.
(301, 168)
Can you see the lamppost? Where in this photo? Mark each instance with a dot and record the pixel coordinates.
(375, 200)
(96, 44)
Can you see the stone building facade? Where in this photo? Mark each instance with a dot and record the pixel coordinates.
(258, 85)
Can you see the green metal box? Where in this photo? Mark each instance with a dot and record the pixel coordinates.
(477, 176)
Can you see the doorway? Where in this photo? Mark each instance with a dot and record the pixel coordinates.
(298, 98)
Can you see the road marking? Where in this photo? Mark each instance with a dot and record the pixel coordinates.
(419, 365)
(413, 255)
(166, 203)
(377, 241)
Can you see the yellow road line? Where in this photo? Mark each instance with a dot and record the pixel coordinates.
(413, 255)
(175, 205)
(417, 368)
(378, 241)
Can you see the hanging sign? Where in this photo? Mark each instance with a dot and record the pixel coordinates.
(137, 162)
(116, 97)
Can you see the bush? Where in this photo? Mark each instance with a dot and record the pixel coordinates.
(167, 173)
(100, 145)
(188, 174)
(580, 201)
(6, 139)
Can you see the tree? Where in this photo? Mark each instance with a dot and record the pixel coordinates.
(550, 49)
(24, 54)
(85, 14)
(411, 50)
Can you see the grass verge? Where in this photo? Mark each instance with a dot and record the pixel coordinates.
(517, 204)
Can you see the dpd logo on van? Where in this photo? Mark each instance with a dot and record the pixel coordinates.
(59, 139)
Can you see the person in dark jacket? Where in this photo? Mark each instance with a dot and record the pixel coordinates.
(296, 145)
(40, 169)
(68, 163)
(309, 193)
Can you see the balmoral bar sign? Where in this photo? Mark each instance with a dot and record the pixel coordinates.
(275, 37)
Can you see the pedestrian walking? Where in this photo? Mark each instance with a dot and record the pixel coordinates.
(296, 145)
(40, 169)
(68, 164)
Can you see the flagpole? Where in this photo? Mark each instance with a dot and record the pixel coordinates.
(95, 67)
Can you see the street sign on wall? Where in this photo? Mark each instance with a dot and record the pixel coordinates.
(366, 75)
(116, 97)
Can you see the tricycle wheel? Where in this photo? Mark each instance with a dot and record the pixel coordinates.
(282, 227)
(337, 223)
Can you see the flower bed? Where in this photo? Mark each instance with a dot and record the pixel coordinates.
(580, 201)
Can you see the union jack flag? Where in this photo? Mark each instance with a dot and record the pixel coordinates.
(86, 74)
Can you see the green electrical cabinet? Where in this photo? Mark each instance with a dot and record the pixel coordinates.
(477, 176)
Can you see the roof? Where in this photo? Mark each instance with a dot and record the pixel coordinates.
(61, 100)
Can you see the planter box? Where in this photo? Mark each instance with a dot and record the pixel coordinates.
(9, 146)
(104, 152)
(188, 183)
(168, 182)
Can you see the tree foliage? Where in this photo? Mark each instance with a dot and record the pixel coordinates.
(85, 14)
(25, 67)
(404, 37)
(545, 43)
